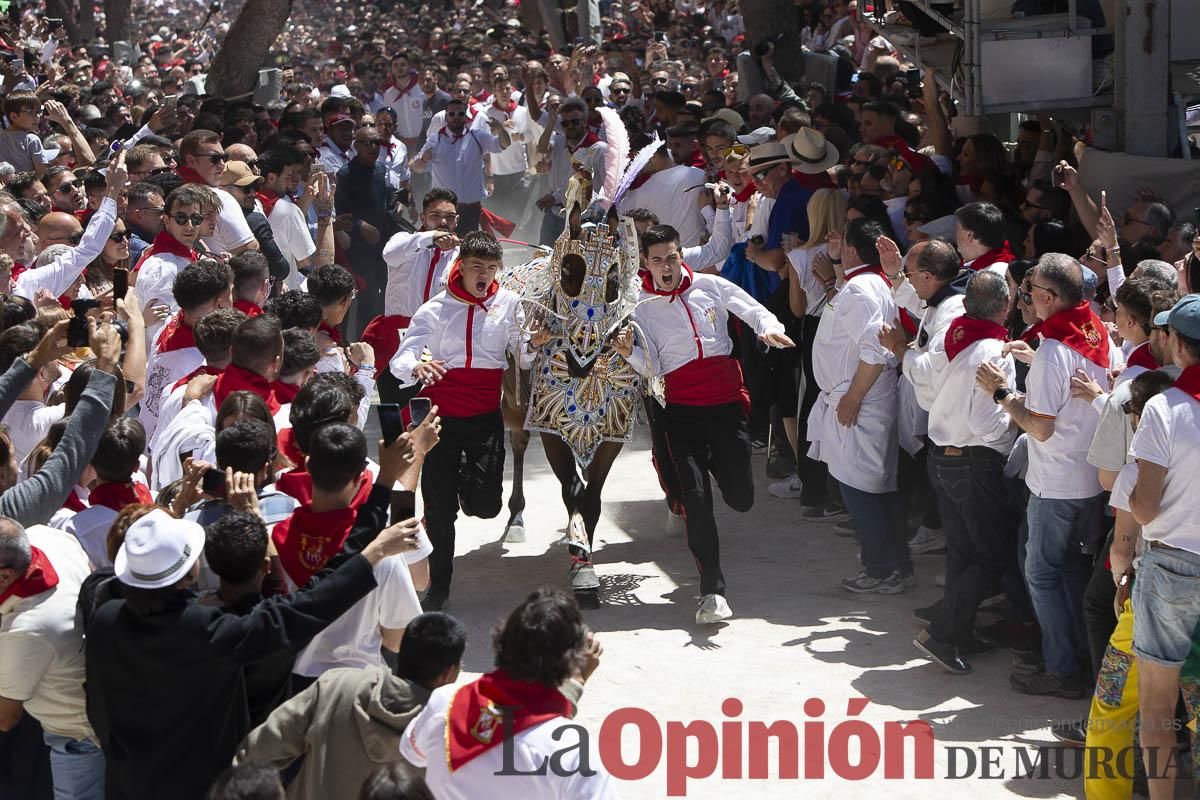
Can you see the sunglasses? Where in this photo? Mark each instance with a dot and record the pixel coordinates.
(572, 122)
(455, 114)
(183, 219)
(215, 158)
(370, 142)
(761, 175)
(739, 150)
(74, 238)
(66, 188)
(122, 236)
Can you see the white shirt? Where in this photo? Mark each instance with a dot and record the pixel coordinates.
(424, 746)
(716, 249)
(409, 107)
(1114, 432)
(41, 647)
(28, 422)
(353, 640)
(457, 161)
(801, 259)
(57, 276)
(155, 286)
(394, 157)
(561, 156)
(290, 229)
(232, 229)
(163, 371)
(663, 193)
(410, 282)
(1058, 467)
(334, 157)
(694, 324)
(1168, 435)
(962, 413)
(90, 526)
(189, 431)
(511, 159)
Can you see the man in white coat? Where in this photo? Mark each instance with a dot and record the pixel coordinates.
(853, 423)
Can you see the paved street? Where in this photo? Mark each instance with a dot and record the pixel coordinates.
(796, 635)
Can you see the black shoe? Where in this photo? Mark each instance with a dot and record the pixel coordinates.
(946, 655)
(780, 464)
(1009, 633)
(1072, 734)
(1048, 684)
(1027, 662)
(435, 599)
(971, 645)
(925, 615)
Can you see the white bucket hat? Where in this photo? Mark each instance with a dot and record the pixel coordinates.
(158, 551)
(810, 152)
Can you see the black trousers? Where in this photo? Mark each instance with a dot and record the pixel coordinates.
(1098, 615)
(465, 471)
(980, 534)
(758, 380)
(660, 456)
(813, 474)
(390, 390)
(704, 441)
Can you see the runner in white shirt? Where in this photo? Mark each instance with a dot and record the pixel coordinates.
(338, 149)
(668, 192)
(508, 167)
(202, 161)
(281, 169)
(852, 425)
(172, 250)
(404, 97)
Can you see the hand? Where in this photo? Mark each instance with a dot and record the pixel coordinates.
(893, 338)
(190, 486)
(429, 372)
(545, 202)
(623, 342)
(724, 195)
(369, 232)
(833, 243)
(847, 410)
(322, 192)
(1122, 590)
(592, 650)
(52, 347)
(1083, 387)
(394, 459)
(57, 112)
(241, 492)
(426, 435)
(42, 298)
(1020, 350)
(163, 119)
(158, 312)
(393, 540)
(779, 340)
(540, 335)
(1069, 176)
(117, 177)
(343, 223)
(361, 354)
(823, 267)
(1106, 229)
(889, 256)
(129, 309)
(105, 342)
(199, 387)
(444, 240)
(990, 377)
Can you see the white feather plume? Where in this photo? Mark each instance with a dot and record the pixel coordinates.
(635, 166)
(617, 157)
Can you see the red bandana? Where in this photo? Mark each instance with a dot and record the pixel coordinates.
(454, 285)
(118, 495)
(74, 502)
(685, 281)
(474, 723)
(964, 331)
(1188, 381)
(166, 243)
(236, 379)
(697, 160)
(175, 335)
(197, 372)
(1142, 357)
(1000, 255)
(1081, 330)
(512, 106)
(285, 392)
(307, 539)
(285, 440)
(247, 308)
(268, 200)
(40, 577)
(190, 175)
(746, 193)
(333, 333)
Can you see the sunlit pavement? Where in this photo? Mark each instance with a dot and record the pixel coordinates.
(795, 635)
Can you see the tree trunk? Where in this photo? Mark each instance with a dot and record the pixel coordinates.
(117, 20)
(234, 70)
(87, 20)
(765, 19)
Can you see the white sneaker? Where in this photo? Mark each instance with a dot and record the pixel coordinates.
(675, 522)
(927, 540)
(787, 489)
(713, 608)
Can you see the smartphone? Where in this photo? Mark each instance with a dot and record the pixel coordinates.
(120, 283)
(317, 168)
(77, 329)
(213, 482)
(391, 424)
(1057, 177)
(660, 36)
(418, 409)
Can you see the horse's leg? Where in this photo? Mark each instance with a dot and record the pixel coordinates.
(514, 531)
(597, 473)
(582, 575)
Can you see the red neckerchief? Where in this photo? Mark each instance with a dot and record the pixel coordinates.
(474, 723)
(197, 372)
(975, 182)
(1081, 330)
(746, 193)
(285, 392)
(38, 578)
(412, 81)
(285, 440)
(454, 285)
(434, 259)
(248, 308)
(698, 160)
(175, 335)
(190, 175)
(17, 270)
(999, 255)
(1188, 382)
(74, 502)
(332, 332)
(640, 180)
(964, 331)
(268, 199)
(164, 242)
(237, 379)
(307, 539)
(512, 106)
(483, 96)
(1141, 356)
(685, 282)
(118, 495)
(588, 140)
(868, 269)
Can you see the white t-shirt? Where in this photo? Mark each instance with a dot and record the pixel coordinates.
(90, 526)
(292, 235)
(1058, 467)
(1168, 434)
(801, 259)
(664, 194)
(28, 422)
(232, 229)
(41, 647)
(512, 158)
(424, 746)
(354, 639)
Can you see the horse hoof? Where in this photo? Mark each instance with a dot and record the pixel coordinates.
(576, 535)
(515, 534)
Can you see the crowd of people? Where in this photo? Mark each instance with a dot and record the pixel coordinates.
(209, 588)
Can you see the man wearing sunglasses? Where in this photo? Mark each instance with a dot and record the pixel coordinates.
(172, 250)
(203, 163)
(66, 190)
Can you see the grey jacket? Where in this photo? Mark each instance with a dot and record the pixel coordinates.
(34, 501)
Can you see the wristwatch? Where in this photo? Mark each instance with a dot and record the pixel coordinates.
(1001, 393)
